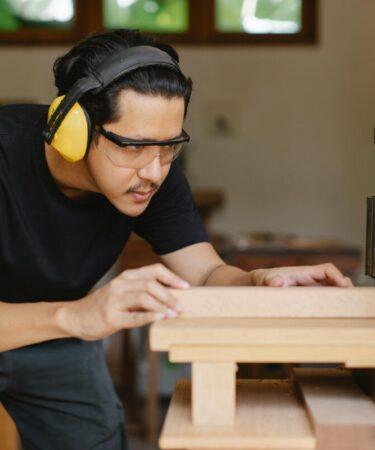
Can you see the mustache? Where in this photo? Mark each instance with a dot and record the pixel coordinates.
(140, 187)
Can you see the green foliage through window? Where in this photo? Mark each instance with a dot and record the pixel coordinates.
(258, 16)
(159, 16)
(19, 14)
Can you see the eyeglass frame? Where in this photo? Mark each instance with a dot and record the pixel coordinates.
(123, 141)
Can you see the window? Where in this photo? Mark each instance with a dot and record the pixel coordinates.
(18, 14)
(185, 21)
(41, 21)
(264, 21)
(156, 16)
(258, 17)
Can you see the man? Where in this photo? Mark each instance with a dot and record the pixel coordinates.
(63, 225)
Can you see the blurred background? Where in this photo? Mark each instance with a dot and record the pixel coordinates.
(282, 124)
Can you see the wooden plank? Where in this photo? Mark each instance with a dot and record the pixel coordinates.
(213, 393)
(343, 417)
(269, 416)
(294, 332)
(8, 432)
(305, 302)
(275, 353)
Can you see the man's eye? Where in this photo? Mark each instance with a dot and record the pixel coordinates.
(133, 149)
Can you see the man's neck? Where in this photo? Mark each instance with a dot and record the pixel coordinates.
(74, 179)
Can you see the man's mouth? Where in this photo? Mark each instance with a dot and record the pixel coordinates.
(144, 192)
(141, 196)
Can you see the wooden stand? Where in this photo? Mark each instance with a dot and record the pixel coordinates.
(315, 409)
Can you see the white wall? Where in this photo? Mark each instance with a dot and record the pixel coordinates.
(303, 160)
(301, 157)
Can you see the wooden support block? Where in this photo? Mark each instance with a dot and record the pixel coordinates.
(213, 393)
(275, 353)
(343, 417)
(304, 302)
(269, 416)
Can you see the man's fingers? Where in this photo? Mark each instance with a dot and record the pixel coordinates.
(275, 281)
(318, 275)
(162, 293)
(156, 272)
(334, 276)
(166, 276)
(141, 301)
(139, 319)
(152, 287)
(260, 277)
(270, 280)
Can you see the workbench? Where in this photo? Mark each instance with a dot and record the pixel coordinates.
(315, 408)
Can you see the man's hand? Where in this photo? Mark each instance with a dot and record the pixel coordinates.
(320, 275)
(132, 299)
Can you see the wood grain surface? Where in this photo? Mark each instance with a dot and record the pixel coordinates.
(343, 417)
(269, 416)
(306, 302)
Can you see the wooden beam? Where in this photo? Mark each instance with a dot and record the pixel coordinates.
(303, 302)
(275, 353)
(269, 416)
(213, 393)
(343, 417)
(280, 332)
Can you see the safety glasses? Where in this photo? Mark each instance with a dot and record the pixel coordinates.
(135, 154)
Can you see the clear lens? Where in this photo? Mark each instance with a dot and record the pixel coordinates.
(137, 157)
(178, 149)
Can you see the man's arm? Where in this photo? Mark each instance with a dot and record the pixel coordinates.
(28, 323)
(134, 298)
(200, 265)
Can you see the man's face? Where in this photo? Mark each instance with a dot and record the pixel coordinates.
(140, 117)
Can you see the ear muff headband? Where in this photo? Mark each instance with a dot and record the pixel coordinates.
(126, 61)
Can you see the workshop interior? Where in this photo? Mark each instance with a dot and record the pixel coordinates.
(281, 164)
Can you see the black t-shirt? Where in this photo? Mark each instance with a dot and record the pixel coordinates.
(56, 248)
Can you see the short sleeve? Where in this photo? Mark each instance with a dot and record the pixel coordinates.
(171, 220)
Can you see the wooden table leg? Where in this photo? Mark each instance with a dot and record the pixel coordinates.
(153, 406)
(213, 393)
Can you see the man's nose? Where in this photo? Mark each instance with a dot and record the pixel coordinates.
(152, 171)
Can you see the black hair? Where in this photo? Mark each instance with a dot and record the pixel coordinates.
(91, 52)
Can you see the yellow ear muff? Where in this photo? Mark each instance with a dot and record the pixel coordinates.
(72, 137)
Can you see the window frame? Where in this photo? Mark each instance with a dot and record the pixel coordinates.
(307, 35)
(201, 31)
(87, 16)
